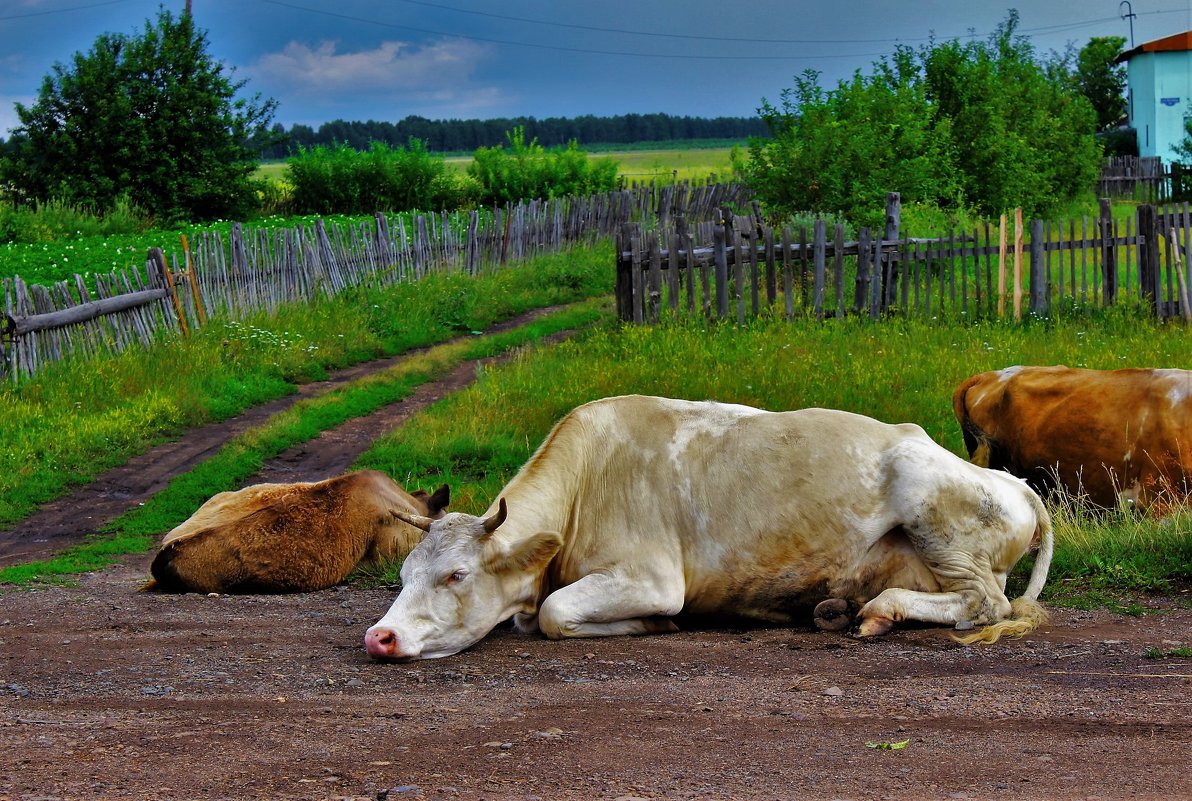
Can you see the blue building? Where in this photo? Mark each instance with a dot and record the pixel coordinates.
(1159, 93)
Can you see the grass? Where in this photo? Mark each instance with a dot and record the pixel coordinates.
(76, 418)
(239, 459)
(895, 371)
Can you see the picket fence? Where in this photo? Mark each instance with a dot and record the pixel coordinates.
(737, 267)
(250, 270)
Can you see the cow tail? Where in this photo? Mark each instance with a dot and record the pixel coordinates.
(1026, 613)
(975, 441)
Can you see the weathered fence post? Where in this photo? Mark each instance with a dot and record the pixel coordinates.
(1148, 257)
(867, 288)
(821, 258)
(1109, 280)
(622, 289)
(719, 239)
(889, 260)
(1038, 270)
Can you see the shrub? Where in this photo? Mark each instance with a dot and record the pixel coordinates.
(328, 180)
(526, 170)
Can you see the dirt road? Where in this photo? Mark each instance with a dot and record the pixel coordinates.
(108, 693)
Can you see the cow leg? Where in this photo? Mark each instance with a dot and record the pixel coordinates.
(600, 605)
(894, 605)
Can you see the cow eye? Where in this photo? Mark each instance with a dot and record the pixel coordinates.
(458, 575)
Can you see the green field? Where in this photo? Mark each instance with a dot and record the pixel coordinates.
(635, 165)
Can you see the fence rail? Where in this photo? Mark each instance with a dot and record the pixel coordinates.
(737, 267)
(249, 270)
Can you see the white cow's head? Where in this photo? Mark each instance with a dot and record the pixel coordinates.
(458, 583)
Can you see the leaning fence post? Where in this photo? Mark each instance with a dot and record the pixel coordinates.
(158, 258)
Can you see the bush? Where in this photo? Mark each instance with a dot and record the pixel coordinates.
(978, 125)
(55, 220)
(331, 180)
(527, 171)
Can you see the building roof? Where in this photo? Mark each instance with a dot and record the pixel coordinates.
(1175, 42)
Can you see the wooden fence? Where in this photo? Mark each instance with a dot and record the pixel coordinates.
(1140, 178)
(249, 270)
(737, 267)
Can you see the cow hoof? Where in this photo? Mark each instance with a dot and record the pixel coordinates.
(875, 626)
(657, 624)
(832, 615)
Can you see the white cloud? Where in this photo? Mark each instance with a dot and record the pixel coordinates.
(433, 79)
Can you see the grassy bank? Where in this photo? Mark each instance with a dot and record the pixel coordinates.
(895, 371)
(239, 459)
(76, 418)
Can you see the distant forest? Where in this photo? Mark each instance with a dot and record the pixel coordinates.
(468, 135)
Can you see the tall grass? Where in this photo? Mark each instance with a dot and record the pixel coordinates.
(896, 371)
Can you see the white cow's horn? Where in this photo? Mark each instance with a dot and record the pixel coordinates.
(491, 523)
(417, 521)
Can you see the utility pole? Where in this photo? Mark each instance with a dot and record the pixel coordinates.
(1129, 14)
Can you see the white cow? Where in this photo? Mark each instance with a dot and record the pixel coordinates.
(637, 508)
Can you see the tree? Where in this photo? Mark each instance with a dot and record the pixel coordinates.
(150, 117)
(1102, 80)
(972, 125)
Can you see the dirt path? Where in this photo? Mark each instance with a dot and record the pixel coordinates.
(107, 693)
(67, 520)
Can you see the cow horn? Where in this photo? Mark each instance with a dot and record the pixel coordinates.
(417, 521)
(491, 523)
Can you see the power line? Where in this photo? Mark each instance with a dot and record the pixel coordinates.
(537, 46)
(748, 40)
(60, 10)
(1041, 30)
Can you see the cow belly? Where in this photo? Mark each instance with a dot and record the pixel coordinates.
(788, 593)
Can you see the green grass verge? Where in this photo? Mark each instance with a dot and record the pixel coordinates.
(239, 459)
(896, 371)
(79, 417)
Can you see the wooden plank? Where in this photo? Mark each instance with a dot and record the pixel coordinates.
(1038, 270)
(654, 290)
(672, 271)
(738, 273)
(719, 244)
(1017, 264)
(1001, 268)
(820, 259)
(838, 268)
(788, 278)
(771, 269)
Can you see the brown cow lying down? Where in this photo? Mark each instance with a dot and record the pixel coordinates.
(291, 537)
(1110, 436)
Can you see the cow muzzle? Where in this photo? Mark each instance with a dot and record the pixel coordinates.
(383, 643)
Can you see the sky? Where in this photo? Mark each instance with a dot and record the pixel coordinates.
(469, 59)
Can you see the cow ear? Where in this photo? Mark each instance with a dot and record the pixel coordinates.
(417, 521)
(436, 503)
(534, 554)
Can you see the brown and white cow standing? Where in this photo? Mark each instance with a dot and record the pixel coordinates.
(1108, 436)
(635, 509)
(291, 537)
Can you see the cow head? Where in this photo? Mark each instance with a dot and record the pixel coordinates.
(459, 582)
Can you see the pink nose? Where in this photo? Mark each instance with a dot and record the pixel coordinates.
(383, 644)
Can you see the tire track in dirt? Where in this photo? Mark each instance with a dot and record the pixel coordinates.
(85, 509)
